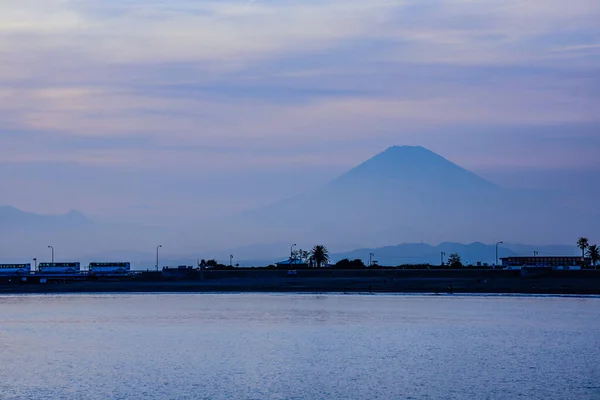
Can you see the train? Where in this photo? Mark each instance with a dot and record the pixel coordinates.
(109, 268)
(68, 268)
(59, 268)
(15, 269)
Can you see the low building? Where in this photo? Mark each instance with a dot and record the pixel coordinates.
(180, 271)
(294, 263)
(554, 262)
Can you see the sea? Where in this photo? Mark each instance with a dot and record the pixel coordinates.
(299, 346)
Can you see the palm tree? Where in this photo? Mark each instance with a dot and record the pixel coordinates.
(304, 256)
(593, 252)
(582, 243)
(320, 255)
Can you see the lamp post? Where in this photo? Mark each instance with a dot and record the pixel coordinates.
(292, 252)
(157, 247)
(371, 259)
(231, 260)
(52, 248)
(442, 256)
(35, 264)
(497, 253)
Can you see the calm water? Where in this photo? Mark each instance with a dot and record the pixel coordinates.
(256, 346)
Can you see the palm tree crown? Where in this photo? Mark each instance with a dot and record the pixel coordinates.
(593, 252)
(582, 243)
(320, 255)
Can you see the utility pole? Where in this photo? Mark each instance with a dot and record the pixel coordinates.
(52, 248)
(157, 247)
(497, 253)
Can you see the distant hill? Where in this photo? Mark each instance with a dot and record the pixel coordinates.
(11, 217)
(421, 253)
(25, 235)
(406, 253)
(408, 193)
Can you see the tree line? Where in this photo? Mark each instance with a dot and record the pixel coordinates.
(319, 257)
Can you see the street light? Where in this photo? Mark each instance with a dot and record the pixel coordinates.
(371, 259)
(50, 247)
(497, 253)
(231, 260)
(157, 247)
(35, 264)
(443, 254)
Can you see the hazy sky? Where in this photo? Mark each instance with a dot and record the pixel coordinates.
(158, 109)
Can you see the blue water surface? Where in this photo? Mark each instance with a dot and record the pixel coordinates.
(295, 346)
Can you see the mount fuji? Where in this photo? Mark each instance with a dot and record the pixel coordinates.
(408, 194)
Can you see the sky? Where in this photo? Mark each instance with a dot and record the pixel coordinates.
(159, 111)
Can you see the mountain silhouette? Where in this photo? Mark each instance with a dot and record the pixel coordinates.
(405, 194)
(408, 194)
(11, 217)
(24, 235)
(411, 167)
(472, 253)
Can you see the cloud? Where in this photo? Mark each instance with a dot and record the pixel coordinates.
(235, 33)
(187, 31)
(201, 108)
(272, 76)
(578, 48)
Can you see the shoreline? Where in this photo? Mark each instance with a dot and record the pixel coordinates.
(392, 282)
(307, 293)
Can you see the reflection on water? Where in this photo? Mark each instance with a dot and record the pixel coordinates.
(259, 346)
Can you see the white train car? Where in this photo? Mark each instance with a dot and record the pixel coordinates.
(59, 268)
(109, 268)
(15, 269)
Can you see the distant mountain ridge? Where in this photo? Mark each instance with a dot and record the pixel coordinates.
(90, 238)
(407, 193)
(422, 253)
(404, 194)
(12, 216)
(72, 233)
(401, 254)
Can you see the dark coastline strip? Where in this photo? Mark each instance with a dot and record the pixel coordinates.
(516, 285)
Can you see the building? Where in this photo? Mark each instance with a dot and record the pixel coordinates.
(180, 271)
(555, 262)
(296, 263)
